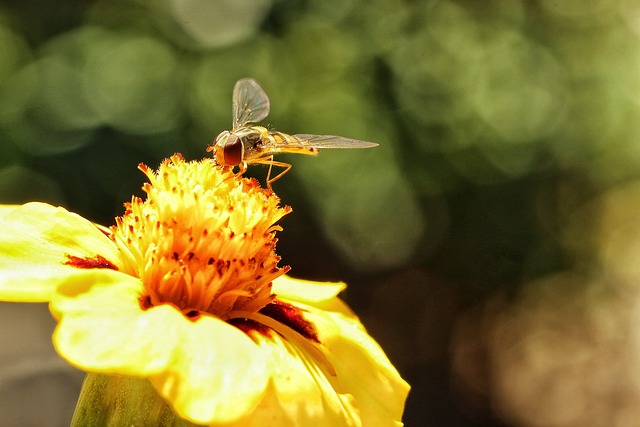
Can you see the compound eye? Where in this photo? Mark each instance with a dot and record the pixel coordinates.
(232, 151)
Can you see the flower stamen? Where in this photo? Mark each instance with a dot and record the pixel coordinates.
(202, 240)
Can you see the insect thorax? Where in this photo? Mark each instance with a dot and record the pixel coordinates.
(251, 136)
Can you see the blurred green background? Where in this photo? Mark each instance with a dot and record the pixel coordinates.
(491, 242)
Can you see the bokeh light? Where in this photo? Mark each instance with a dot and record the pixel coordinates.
(212, 23)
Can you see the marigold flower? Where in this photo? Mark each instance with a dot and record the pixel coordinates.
(185, 293)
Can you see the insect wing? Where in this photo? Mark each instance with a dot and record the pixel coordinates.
(250, 103)
(331, 141)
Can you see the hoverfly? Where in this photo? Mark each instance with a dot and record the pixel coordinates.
(247, 143)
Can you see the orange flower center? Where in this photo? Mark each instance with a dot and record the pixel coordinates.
(203, 240)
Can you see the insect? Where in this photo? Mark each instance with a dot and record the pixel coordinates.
(248, 144)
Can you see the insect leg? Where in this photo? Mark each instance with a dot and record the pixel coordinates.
(269, 161)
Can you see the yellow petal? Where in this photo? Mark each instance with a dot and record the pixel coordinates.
(306, 290)
(207, 370)
(217, 374)
(300, 392)
(360, 364)
(6, 209)
(103, 329)
(35, 240)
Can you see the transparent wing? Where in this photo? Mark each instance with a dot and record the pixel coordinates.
(278, 142)
(250, 103)
(330, 141)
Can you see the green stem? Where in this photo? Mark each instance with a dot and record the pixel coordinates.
(113, 401)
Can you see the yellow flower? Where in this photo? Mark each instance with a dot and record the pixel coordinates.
(185, 291)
